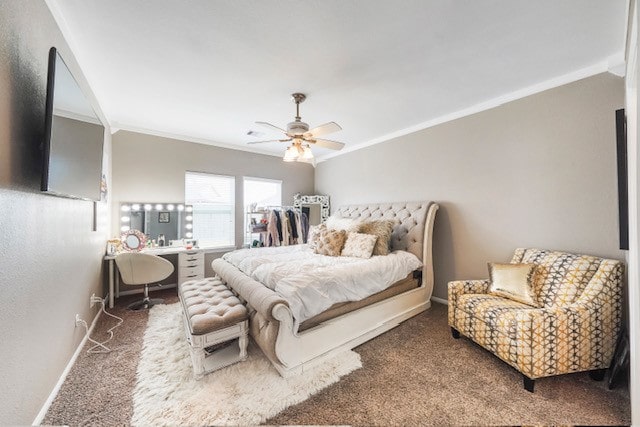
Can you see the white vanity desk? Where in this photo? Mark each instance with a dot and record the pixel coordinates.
(190, 265)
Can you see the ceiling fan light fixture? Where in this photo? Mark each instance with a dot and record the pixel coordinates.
(291, 154)
(307, 154)
(300, 137)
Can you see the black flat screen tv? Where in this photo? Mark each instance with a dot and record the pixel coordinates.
(74, 137)
(623, 186)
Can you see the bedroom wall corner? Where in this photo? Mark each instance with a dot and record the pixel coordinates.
(536, 172)
(51, 260)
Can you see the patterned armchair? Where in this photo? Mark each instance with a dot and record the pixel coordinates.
(574, 328)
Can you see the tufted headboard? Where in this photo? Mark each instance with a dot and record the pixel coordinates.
(409, 234)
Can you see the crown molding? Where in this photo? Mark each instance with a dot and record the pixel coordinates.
(162, 134)
(592, 70)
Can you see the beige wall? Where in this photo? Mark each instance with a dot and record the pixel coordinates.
(148, 168)
(537, 172)
(50, 259)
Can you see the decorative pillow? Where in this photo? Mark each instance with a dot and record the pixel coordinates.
(359, 245)
(330, 242)
(513, 281)
(314, 233)
(381, 228)
(339, 223)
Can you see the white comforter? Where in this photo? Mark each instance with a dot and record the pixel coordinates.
(312, 283)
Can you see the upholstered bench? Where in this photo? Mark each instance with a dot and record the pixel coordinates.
(216, 324)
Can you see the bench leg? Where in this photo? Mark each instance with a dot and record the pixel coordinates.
(455, 333)
(197, 359)
(243, 339)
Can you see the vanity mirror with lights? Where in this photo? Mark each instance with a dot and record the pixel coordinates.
(171, 221)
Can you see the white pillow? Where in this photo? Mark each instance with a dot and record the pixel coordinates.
(359, 245)
(339, 223)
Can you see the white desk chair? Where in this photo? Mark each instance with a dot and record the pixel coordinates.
(142, 269)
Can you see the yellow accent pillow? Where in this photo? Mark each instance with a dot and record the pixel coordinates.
(513, 281)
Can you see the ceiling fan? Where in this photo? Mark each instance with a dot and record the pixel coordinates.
(302, 138)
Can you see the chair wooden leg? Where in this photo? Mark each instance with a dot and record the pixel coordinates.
(455, 333)
(598, 374)
(528, 383)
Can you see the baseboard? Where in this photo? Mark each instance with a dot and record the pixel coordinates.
(43, 411)
(440, 300)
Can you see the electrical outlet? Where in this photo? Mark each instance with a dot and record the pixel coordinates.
(78, 320)
(92, 300)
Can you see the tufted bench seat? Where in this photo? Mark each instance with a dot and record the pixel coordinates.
(215, 323)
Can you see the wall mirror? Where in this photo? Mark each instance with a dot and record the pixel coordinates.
(173, 221)
(316, 207)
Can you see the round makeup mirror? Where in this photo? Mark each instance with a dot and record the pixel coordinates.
(133, 240)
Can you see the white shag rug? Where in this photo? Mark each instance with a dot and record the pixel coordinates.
(246, 393)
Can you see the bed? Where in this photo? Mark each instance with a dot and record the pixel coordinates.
(293, 345)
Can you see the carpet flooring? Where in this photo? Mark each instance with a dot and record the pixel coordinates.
(415, 374)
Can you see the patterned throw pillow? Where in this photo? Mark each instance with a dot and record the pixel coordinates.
(359, 245)
(330, 242)
(560, 277)
(381, 228)
(314, 233)
(513, 281)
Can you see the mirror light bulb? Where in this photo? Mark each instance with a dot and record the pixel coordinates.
(159, 207)
(147, 207)
(124, 228)
(170, 207)
(189, 218)
(189, 235)
(135, 207)
(189, 208)
(188, 226)
(180, 207)
(125, 219)
(125, 208)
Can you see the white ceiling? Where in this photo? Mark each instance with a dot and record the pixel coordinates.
(207, 70)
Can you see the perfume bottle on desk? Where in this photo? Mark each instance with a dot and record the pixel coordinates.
(161, 240)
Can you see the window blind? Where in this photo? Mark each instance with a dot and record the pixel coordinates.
(213, 201)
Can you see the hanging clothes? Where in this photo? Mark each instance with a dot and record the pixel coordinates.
(291, 215)
(304, 225)
(286, 229)
(273, 237)
(279, 225)
(299, 227)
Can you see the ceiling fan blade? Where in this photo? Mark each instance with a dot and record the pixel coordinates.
(325, 143)
(269, 140)
(324, 129)
(271, 127)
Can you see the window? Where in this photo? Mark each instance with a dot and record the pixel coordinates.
(262, 192)
(213, 200)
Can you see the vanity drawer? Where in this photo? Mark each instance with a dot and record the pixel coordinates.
(190, 258)
(190, 271)
(193, 273)
(182, 279)
(190, 266)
